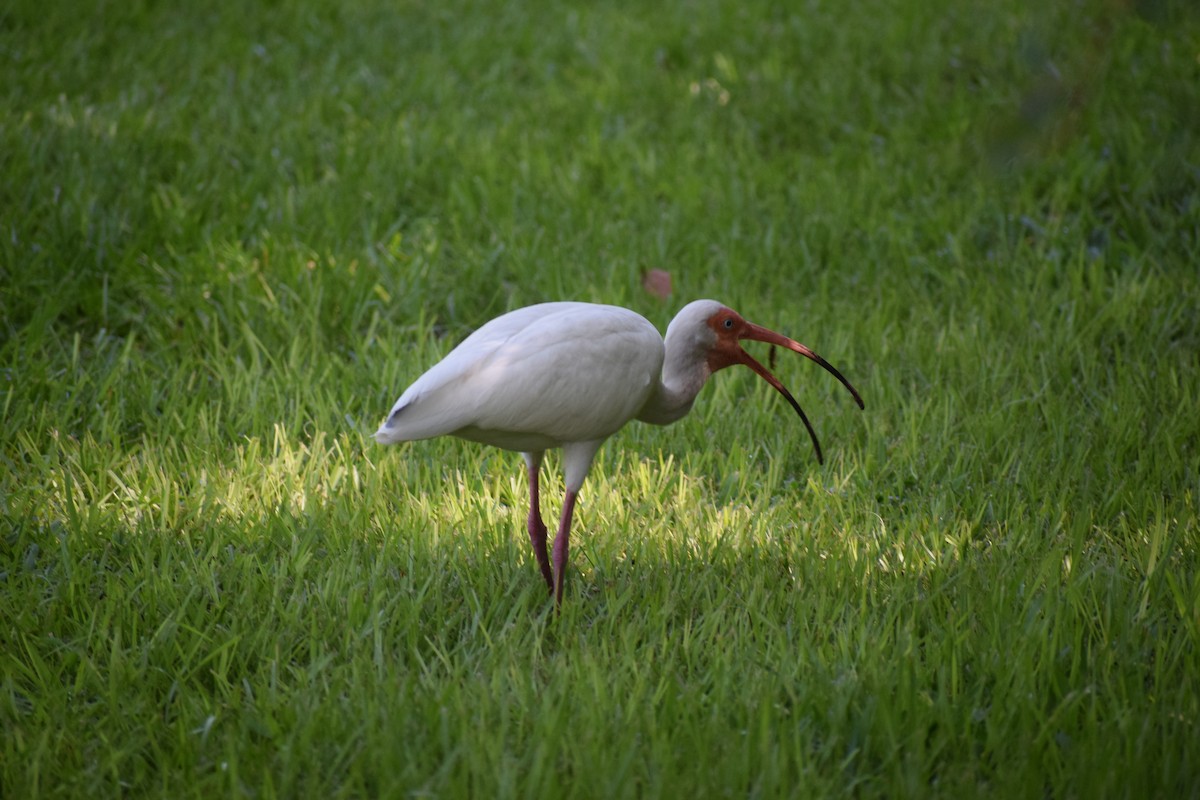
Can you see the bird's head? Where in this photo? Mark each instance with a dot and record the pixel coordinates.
(719, 330)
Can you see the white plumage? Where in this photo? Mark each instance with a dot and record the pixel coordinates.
(570, 375)
(536, 378)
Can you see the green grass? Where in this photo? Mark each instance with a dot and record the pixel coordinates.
(229, 237)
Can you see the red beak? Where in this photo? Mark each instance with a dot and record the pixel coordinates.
(730, 352)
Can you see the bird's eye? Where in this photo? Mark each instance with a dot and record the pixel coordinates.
(728, 323)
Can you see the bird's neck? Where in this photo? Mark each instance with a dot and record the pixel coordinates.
(682, 380)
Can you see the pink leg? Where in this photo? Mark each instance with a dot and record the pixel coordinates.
(537, 529)
(560, 547)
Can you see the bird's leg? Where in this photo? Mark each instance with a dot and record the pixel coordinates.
(577, 460)
(560, 546)
(537, 528)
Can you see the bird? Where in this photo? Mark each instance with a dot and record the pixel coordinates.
(569, 375)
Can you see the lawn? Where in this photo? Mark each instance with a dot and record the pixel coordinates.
(231, 235)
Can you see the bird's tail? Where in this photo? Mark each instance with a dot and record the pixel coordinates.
(389, 431)
(384, 436)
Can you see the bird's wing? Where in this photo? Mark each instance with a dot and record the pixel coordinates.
(535, 378)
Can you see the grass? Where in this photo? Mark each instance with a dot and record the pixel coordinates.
(230, 236)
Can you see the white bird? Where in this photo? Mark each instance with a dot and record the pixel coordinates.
(570, 375)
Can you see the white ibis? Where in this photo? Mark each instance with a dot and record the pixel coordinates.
(570, 375)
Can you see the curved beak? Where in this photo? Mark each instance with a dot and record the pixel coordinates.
(761, 334)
